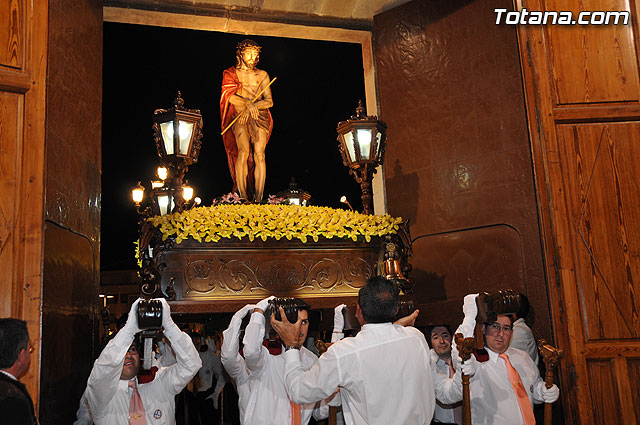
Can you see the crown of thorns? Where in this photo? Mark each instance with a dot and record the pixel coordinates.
(244, 44)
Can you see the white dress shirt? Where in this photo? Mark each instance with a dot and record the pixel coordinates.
(83, 415)
(524, 340)
(109, 396)
(165, 356)
(384, 376)
(268, 402)
(211, 366)
(493, 399)
(444, 413)
(235, 365)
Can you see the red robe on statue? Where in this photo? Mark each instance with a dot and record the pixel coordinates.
(230, 85)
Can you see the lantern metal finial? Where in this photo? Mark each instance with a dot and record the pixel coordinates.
(360, 113)
(178, 102)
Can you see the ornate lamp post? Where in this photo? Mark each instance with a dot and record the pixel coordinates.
(177, 132)
(362, 142)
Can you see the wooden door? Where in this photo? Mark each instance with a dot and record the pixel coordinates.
(582, 89)
(23, 32)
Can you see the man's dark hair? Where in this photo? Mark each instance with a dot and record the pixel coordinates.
(291, 306)
(14, 337)
(301, 304)
(137, 341)
(378, 300)
(524, 307)
(508, 316)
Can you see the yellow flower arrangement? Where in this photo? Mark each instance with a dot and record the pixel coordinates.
(210, 224)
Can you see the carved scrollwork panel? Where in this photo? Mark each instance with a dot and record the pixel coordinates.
(282, 274)
(236, 275)
(325, 274)
(356, 271)
(200, 276)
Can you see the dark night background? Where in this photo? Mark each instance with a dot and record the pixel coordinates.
(319, 84)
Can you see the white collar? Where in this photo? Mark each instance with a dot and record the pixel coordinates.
(493, 356)
(376, 325)
(9, 375)
(442, 361)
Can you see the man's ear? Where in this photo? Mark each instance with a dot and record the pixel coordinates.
(359, 315)
(23, 358)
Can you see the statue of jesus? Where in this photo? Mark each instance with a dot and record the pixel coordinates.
(246, 95)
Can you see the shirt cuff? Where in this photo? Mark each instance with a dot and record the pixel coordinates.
(467, 327)
(292, 356)
(257, 317)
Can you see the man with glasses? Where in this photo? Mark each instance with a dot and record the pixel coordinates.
(16, 405)
(114, 393)
(505, 382)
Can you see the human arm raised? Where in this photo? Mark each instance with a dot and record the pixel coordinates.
(229, 352)
(338, 323)
(409, 320)
(105, 374)
(254, 353)
(188, 361)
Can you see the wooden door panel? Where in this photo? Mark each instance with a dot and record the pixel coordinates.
(12, 15)
(602, 381)
(582, 89)
(23, 61)
(633, 366)
(602, 187)
(10, 148)
(592, 63)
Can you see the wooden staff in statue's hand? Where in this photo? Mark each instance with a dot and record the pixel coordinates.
(550, 357)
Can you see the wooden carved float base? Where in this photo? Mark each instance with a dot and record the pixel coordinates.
(223, 276)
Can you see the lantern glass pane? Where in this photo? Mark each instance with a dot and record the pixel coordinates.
(185, 129)
(167, 136)
(187, 193)
(294, 201)
(163, 204)
(137, 195)
(348, 140)
(364, 140)
(378, 138)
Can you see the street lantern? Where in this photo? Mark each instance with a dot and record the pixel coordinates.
(295, 196)
(187, 191)
(362, 142)
(177, 132)
(162, 172)
(137, 194)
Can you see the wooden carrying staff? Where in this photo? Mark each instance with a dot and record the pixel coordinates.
(465, 347)
(550, 356)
